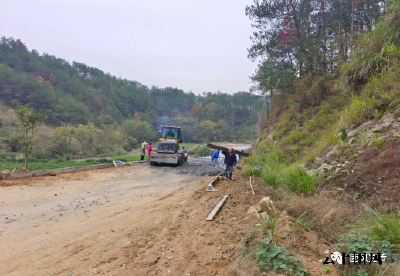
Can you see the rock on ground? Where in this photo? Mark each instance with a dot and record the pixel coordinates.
(265, 205)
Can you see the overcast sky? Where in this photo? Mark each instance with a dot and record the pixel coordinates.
(197, 45)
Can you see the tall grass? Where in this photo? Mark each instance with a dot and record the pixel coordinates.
(272, 176)
(383, 226)
(275, 171)
(299, 179)
(360, 110)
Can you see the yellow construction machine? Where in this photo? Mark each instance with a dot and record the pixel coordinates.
(167, 150)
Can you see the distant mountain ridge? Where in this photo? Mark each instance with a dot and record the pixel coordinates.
(79, 94)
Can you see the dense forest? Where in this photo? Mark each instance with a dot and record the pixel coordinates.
(301, 45)
(84, 97)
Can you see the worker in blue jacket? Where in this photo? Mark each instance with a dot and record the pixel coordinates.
(230, 162)
(215, 157)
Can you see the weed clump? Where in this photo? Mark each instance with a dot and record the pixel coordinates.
(383, 226)
(202, 151)
(271, 257)
(299, 179)
(275, 171)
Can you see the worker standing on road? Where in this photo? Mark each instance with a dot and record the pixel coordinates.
(230, 162)
(149, 149)
(214, 158)
(143, 150)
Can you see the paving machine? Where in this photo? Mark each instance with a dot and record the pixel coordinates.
(167, 150)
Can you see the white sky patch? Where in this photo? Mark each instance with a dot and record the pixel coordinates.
(198, 45)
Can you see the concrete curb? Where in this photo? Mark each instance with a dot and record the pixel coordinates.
(57, 171)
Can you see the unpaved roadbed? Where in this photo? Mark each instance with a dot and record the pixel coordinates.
(136, 220)
(39, 222)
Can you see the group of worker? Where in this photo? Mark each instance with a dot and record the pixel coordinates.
(149, 149)
(143, 150)
(229, 161)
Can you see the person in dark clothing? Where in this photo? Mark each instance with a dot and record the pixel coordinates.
(230, 162)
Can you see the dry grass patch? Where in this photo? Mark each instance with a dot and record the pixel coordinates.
(378, 176)
(329, 213)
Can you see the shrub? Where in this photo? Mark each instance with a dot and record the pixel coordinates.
(272, 176)
(202, 151)
(15, 143)
(357, 243)
(252, 172)
(343, 134)
(299, 179)
(294, 137)
(132, 143)
(311, 124)
(271, 257)
(379, 141)
(383, 226)
(360, 110)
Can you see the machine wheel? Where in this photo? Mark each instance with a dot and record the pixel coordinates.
(179, 162)
(152, 163)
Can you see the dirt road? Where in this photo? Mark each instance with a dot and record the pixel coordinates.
(69, 224)
(136, 220)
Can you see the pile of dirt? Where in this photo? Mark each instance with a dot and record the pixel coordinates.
(22, 170)
(2, 173)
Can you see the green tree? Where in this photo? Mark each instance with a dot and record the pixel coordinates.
(136, 116)
(61, 140)
(224, 128)
(266, 77)
(29, 120)
(84, 135)
(140, 130)
(206, 130)
(80, 94)
(110, 140)
(105, 121)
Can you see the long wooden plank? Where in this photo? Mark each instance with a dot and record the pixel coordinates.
(241, 153)
(214, 211)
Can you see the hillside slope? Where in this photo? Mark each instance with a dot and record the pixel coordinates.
(332, 152)
(80, 94)
(97, 114)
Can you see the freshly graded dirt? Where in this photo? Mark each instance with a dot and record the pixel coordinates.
(134, 220)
